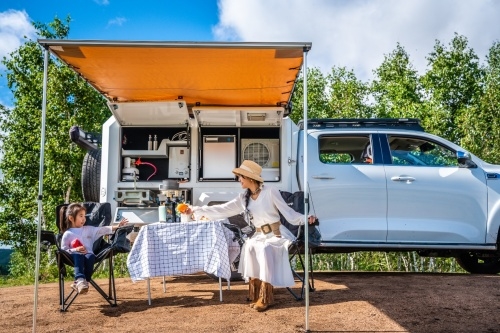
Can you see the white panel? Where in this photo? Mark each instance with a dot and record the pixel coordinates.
(219, 157)
(150, 113)
(178, 162)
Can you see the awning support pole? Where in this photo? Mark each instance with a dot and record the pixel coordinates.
(306, 195)
(40, 185)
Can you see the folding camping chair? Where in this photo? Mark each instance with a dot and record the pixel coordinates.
(98, 214)
(296, 250)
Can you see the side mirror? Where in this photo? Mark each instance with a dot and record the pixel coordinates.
(464, 160)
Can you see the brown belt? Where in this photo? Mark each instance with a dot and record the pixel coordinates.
(270, 227)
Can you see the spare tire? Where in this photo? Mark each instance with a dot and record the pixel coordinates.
(91, 175)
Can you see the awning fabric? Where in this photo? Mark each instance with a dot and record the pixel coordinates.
(225, 74)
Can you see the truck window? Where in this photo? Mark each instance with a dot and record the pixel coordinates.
(344, 149)
(419, 151)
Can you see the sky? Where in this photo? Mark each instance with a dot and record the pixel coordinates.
(355, 34)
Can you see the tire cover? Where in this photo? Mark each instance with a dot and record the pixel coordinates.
(91, 175)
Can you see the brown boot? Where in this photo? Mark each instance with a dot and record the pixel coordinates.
(253, 291)
(266, 297)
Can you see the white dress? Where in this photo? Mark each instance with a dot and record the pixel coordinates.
(263, 256)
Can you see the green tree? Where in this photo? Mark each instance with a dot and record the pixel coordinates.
(317, 99)
(452, 85)
(396, 88)
(481, 122)
(338, 95)
(348, 96)
(69, 102)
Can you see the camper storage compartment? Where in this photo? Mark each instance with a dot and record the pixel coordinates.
(256, 133)
(154, 153)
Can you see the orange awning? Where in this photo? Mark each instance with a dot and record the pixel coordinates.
(211, 73)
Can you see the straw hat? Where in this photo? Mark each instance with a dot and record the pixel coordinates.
(249, 169)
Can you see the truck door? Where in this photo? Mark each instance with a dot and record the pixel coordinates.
(347, 187)
(430, 198)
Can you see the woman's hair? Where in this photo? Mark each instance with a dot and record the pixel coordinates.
(65, 212)
(248, 193)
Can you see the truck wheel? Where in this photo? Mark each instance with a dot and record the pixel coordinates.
(475, 264)
(91, 175)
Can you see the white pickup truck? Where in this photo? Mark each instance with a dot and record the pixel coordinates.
(185, 114)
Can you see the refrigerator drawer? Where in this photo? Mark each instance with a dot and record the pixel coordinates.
(219, 156)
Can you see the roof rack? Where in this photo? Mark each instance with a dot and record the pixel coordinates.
(387, 123)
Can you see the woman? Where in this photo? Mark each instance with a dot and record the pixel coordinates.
(264, 257)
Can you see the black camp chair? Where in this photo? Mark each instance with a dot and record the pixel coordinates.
(98, 214)
(297, 248)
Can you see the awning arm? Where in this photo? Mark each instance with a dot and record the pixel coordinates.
(40, 185)
(306, 195)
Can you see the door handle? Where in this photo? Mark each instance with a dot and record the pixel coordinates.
(406, 179)
(322, 177)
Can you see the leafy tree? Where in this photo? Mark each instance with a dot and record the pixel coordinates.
(69, 101)
(348, 97)
(396, 88)
(481, 122)
(317, 99)
(452, 85)
(337, 95)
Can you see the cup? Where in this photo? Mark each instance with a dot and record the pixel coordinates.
(162, 213)
(185, 218)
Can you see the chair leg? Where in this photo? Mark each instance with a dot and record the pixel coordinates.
(311, 270)
(64, 301)
(293, 255)
(310, 283)
(111, 296)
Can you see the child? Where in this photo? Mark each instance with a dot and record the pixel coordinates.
(78, 240)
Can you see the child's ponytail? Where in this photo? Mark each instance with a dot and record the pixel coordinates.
(63, 223)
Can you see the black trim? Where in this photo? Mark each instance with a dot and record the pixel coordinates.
(378, 123)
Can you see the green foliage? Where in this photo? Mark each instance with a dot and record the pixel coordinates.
(317, 99)
(453, 84)
(338, 95)
(382, 262)
(396, 88)
(481, 122)
(348, 97)
(69, 102)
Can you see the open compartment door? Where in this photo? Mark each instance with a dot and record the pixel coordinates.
(171, 113)
(239, 117)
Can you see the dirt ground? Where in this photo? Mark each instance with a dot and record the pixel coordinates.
(342, 302)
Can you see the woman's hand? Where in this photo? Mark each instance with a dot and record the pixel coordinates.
(188, 211)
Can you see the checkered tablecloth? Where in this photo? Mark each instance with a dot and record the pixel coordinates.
(166, 249)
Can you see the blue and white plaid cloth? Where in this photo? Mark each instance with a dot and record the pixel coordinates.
(167, 249)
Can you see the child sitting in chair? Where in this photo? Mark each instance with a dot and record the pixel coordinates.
(78, 240)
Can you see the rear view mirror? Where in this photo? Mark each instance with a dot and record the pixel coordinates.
(464, 160)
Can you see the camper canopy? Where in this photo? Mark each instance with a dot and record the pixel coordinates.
(202, 74)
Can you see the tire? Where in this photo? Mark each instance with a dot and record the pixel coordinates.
(91, 175)
(475, 264)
